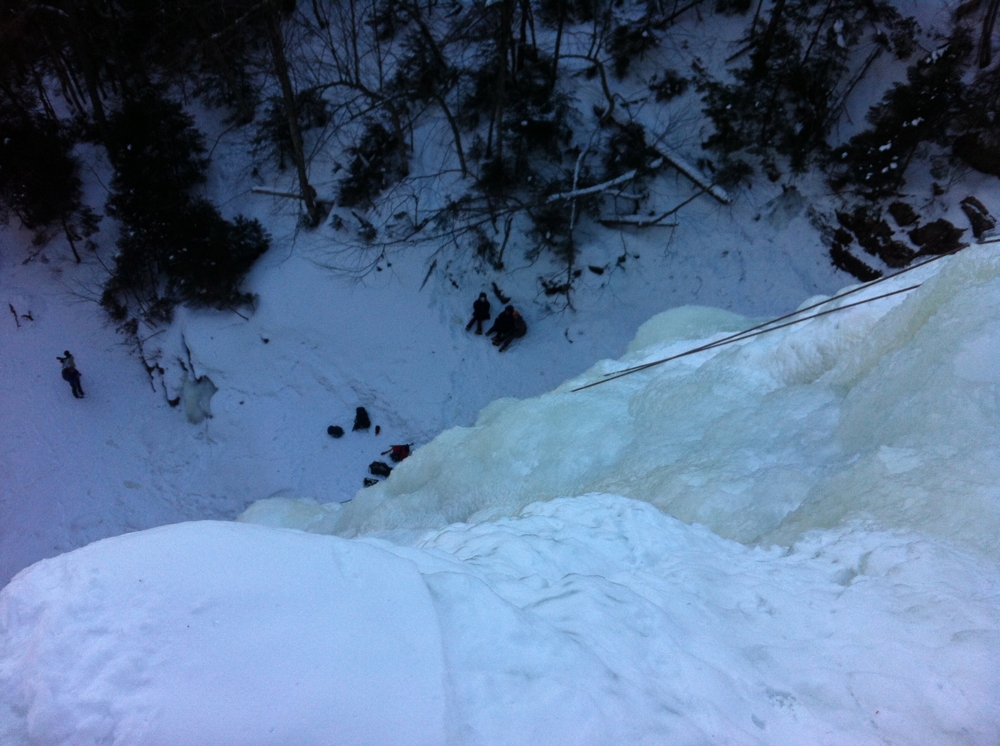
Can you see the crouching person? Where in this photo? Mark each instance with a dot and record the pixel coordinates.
(502, 326)
(518, 328)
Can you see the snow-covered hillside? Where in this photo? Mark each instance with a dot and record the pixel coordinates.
(341, 323)
(821, 569)
(320, 344)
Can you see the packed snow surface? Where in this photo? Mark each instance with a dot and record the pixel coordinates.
(787, 540)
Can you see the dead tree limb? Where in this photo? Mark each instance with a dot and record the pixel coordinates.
(288, 195)
(638, 221)
(623, 179)
(689, 171)
(635, 221)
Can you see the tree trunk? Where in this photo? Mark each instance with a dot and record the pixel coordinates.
(763, 53)
(70, 236)
(563, 9)
(89, 69)
(288, 95)
(456, 134)
(506, 13)
(986, 40)
(439, 96)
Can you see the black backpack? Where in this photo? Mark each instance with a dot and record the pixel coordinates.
(361, 421)
(380, 468)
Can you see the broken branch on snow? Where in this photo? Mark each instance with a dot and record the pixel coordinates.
(688, 170)
(624, 178)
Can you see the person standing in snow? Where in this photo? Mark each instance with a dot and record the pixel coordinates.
(70, 373)
(480, 313)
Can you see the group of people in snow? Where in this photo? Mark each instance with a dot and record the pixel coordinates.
(509, 325)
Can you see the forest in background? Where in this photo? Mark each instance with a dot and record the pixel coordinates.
(529, 152)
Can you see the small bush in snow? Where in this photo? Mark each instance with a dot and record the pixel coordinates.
(668, 86)
(628, 43)
(732, 7)
(625, 149)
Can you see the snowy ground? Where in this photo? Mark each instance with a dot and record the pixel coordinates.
(838, 585)
(323, 342)
(320, 344)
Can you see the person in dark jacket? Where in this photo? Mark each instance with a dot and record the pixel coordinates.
(70, 374)
(502, 325)
(480, 313)
(518, 329)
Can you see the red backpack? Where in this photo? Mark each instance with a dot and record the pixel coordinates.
(398, 453)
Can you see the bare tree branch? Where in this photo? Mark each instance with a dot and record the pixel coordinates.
(604, 185)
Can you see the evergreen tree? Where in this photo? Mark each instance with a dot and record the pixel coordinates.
(794, 88)
(39, 177)
(924, 109)
(173, 246)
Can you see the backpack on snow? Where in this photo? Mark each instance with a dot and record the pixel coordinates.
(361, 420)
(380, 468)
(397, 453)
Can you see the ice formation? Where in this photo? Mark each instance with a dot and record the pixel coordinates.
(197, 394)
(790, 539)
(884, 412)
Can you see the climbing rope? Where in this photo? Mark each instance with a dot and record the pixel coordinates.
(769, 326)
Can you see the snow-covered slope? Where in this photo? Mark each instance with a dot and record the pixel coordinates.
(866, 413)
(321, 343)
(822, 568)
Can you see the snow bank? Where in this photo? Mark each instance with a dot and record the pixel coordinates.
(599, 620)
(885, 412)
(211, 633)
(298, 513)
(586, 620)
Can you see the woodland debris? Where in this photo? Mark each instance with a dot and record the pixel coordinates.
(939, 237)
(903, 214)
(979, 217)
